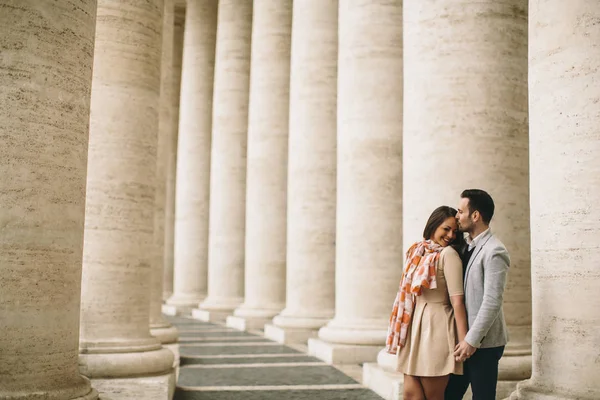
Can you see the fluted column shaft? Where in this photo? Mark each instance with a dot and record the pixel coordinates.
(115, 341)
(369, 170)
(564, 71)
(228, 157)
(310, 288)
(159, 326)
(168, 272)
(267, 161)
(465, 127)
(193, 155)
(44, 114)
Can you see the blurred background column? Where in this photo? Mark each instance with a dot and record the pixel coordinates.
(228, 162)
(117, 350)
(369, 181)
(266, 199)
(310, 273)
(193, 157)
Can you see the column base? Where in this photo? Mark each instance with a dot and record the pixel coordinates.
(334, 353)
(289, 335)
(182, 304)
(284, 320)
(362, 333)
(246, 323)
(58, 394)
(174, 348)
(164, 332)
(513, 369)
(99, 365)
(385, 383)
(161, 387)
(529, 390)
(248, 318)
(92, 395)
(168, 310)
(173, 311)
(218, 317)
(216, 309)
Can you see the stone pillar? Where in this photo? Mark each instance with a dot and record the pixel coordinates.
(268, 112)
(159, 326)
(193, 155)
(310, 289)
(117, 350)
(565, 188)
(178, 30)
(228, 162)
(369, 180)
(44, 114)
(465, 127)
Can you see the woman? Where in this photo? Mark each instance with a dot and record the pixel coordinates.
(429, 315)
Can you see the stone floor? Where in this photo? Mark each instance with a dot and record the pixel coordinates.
(220, 363)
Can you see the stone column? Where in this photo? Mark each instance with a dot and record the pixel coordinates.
(178, 30)
(465, 127)
(310, 288)
(193, 155)
(268, 112)
(44, 114)
(228, 162)
(159, 326)
(369, 180)
(117, 350)
(564, 70)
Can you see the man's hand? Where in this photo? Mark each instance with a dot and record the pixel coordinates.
(463, 350)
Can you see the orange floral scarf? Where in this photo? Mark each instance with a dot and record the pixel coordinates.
(419, 273)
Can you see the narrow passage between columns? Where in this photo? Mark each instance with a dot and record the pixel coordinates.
(221, 363)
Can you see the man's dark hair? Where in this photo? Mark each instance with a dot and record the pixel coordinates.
(437, 218)
(480, 200)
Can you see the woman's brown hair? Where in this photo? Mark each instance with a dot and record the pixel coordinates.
(437, 218)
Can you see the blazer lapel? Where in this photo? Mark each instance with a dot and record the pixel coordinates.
(484, 239)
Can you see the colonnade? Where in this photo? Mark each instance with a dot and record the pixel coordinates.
(83, 90)
(270, 161)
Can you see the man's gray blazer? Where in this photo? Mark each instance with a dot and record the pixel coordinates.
(485, 279)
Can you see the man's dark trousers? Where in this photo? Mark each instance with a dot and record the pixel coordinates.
(481, 371)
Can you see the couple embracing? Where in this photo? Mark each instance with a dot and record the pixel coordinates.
(447, 327)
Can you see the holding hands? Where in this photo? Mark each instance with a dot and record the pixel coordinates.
(463, 351)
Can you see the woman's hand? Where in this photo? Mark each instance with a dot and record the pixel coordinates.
(463, 351)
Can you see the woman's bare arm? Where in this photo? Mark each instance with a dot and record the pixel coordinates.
(460, 314)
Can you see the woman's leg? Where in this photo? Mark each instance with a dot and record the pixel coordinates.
(413, 389)
(434, 386)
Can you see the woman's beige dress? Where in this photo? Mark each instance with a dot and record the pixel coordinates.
(432, 333)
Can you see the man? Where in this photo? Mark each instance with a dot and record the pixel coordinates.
(485, 265)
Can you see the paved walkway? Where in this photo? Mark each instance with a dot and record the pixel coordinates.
(220, 363)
